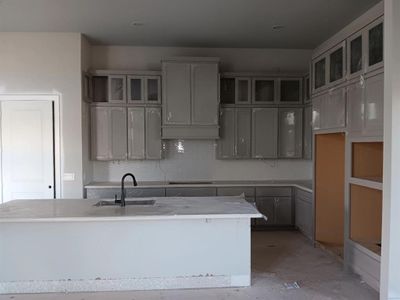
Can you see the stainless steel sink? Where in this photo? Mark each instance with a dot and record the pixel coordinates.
(127, 202)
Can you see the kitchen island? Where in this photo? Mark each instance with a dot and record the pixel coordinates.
(70, 245)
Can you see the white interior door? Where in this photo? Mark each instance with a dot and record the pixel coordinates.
(27, 150)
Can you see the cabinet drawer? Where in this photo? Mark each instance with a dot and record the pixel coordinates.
(236, 191)
(191, 192)
(303, 195)
(274, 191)
(130, 192)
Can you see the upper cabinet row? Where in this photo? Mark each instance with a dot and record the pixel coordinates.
(259, 90)
(131, 89)
(359, 54)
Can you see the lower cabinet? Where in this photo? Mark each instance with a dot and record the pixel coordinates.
(304, 212)
(276, 204)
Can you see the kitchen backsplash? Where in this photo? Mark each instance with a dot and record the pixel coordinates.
(195, 160)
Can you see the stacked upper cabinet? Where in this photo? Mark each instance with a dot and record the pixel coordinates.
(329, 69)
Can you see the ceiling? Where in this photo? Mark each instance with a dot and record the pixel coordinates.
(187, 23)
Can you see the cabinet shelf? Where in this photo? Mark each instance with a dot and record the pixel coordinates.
(367, 161)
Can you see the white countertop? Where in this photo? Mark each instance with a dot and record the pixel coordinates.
(164, 208)
(302, 184)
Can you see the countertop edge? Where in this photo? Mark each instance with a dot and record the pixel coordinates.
(130, 218)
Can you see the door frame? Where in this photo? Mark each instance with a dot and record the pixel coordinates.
(55, 99)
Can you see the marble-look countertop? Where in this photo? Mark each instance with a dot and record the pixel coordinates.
(164, 208)
(302, 184)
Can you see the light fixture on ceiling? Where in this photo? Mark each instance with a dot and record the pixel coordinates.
(136, 23)
(278, 27)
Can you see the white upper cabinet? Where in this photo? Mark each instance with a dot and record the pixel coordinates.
(365, 49)
(190, 98)
(176, 93)
(226, 143)
(264, 132)
(204, 89)
(242, 90)
(153, 133)
(290, 90)
(136, 133)
(373, 114)
(136, 89)
(329, 68)
(108, 133)
(355, 108)
(152, 87)
(264, 90)
(307, 138)
(306, 89)
(117, 89)
(290, 133)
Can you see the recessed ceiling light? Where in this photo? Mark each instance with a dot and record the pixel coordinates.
(278, 27)
(136, 23)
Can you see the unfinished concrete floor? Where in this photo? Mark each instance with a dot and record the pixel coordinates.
(278, 258)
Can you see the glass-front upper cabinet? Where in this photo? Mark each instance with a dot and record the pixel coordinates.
(337, 64)
(117, 89)
(319, 71)
(152, 86)
(243, 90)
(355, 55)
(264, 90)
(135, 89)
(374, 38)
(306, 89)
(290, 90)
(227, 90)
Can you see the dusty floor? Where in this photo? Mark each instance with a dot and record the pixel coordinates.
(278, 258)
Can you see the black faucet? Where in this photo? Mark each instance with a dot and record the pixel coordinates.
(123, 187)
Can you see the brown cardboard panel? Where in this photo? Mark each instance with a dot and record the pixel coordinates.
(367, 160)
(329, 188)
(366, 216)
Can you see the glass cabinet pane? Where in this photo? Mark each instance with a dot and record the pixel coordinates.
(375, 44)
(264, 90)
(307, 88)
(319, 73)
(227, 90)
(136, 89)
(117, 89)
(356, 55)
(336, 65)
(100, 89)
(243, 87)
(152, 89)
(290, 91)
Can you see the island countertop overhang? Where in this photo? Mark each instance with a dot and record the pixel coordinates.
(165, 208)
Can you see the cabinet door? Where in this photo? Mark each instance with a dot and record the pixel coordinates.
(290, 90)
(243, 90)
(205, 94)
(374, 39)
(136, 133)
(117, 89)
(355, 108)
(226, 144)
(337, 63)
(304, 218)
(243, 132)
(264, 133)
(355, 56)
(373, 123)
(176, 93)
(290, 132)
(118, 131)
(283, 211)
(153, 133)
(152, 89)
(306, 89)
(316, 111)
(307, 140)
(264, 90)
(228, 90)
(334, 109)
(266, 206)
(100, 133)
(136, 89)
(319, 68)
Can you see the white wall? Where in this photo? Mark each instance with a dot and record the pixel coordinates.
(37, 63)
(198, 161)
